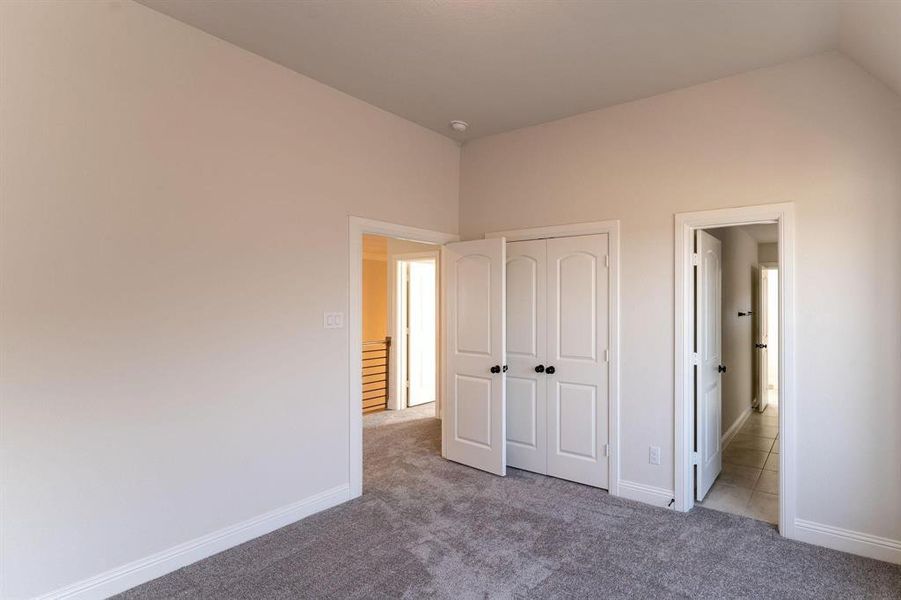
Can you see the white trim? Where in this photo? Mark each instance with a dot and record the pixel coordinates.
(845, 540)
(685, 224)
(611, 228)
(733, 429)
(156, 565)
(356, 228)
(555, 231)
(646, 493)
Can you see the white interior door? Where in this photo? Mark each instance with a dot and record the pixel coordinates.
(762, 342)
(421, 332)
(708, 419)
(526, 352)
(577, 359)
(473, 428)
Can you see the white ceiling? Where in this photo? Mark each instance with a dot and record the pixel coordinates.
(505, 64)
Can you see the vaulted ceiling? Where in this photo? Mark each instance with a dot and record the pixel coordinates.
(505, 64)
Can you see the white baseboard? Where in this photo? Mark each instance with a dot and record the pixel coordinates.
(156, 565)
(855, 542)
(645, 493)
(735, 427)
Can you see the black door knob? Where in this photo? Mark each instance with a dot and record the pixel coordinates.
(496, 369)
(721, 368)
(760, 345)
(539, 369)
(550, 370)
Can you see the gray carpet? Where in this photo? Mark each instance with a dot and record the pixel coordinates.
(428, 528)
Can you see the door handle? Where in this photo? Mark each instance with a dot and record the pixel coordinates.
(539, 369)
(496, 369)
(550, 370)
(760, 345)
(721, 368)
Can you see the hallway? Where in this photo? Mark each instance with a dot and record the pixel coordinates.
(748, 485)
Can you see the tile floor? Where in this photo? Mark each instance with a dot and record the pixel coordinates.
(748, 485)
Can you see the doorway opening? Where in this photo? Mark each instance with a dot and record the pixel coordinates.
(734, 363)
(767, 346)
(416, 317)
(735, 403)
(399, 325)
(393, 297)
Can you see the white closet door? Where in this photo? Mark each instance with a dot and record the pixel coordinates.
(577, 365)
(526, 350)
(708, 293)
(473, 428)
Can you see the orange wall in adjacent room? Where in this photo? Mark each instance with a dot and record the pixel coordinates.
(375, 299)
(375, 288)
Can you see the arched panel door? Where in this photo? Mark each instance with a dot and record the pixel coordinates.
(577, 359)
(708, 294)
(526, 352)
(473, 428)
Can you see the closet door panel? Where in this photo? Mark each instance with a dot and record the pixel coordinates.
(577, 339)
(526, 349)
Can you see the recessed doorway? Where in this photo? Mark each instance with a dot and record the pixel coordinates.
(732, 444)
(737, 423)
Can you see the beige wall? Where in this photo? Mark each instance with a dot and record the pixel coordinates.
(739, 255)
(818, 132)
(174, 224)
(768, 253)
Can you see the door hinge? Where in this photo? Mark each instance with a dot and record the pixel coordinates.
(607, 260)
(695, 358)
(695, 458)
(606, 356)
(606, 449)
(695, 259)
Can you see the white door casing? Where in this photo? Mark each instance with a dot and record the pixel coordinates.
(526, 350)
(685, 224)
(421, 314)
(708, 295)
(578, 358)
(473, 427)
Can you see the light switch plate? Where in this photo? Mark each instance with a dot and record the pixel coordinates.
(333, 320)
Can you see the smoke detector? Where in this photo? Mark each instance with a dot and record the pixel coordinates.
(459, 126)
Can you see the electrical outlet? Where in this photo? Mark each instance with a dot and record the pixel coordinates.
(333, 320)
(654, 455)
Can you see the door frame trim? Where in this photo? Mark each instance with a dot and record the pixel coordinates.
(357, 226)
(685, 224)
(611, 228)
